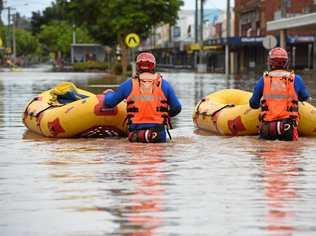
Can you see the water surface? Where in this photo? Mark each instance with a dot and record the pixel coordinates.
(198, 184)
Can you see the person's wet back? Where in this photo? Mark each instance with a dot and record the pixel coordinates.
(151, 101)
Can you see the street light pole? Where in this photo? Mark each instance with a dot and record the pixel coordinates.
(74, 34)
(13, 37)
(8, 43)
(74, 41)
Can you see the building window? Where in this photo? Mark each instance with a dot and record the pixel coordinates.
(176, 31)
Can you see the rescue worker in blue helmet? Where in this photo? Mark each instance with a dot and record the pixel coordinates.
(151, 101)
(277, 93)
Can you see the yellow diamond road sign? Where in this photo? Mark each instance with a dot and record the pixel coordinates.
(1, 43)
(132, 40)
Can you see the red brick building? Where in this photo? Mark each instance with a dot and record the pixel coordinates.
(251, 17)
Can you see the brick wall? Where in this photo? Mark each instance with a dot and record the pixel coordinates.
(267, 10)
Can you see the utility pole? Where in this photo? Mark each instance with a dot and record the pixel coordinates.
(201, 20)
(196, 35)
(201, 32)
(1, 8)
(227, 36)
(196, 22)
(8, 32)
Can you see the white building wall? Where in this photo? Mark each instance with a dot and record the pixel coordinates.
(184, 30)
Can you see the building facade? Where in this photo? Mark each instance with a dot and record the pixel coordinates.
(251, 17)
(176, 46)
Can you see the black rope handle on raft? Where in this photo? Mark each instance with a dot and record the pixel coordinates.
(226, 106)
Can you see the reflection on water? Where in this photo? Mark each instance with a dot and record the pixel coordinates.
(199, 183)
(140, 213)
(279, 173)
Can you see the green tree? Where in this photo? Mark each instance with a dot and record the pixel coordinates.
(57, 36)
(26, 43)
(110, 21)
(57, 11)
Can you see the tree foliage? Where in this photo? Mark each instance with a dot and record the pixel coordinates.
(57, 36)
(56, 12)
(26, 43)
(109, 20)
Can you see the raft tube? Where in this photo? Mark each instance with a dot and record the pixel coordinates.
(227, 112)
(85, 117)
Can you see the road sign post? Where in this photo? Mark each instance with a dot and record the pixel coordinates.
(132, 40)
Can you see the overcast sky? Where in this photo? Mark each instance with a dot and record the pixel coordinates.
(25, 7)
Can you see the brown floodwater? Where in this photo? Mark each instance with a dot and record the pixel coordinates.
(198, 184)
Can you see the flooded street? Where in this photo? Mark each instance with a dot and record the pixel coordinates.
(198, 184)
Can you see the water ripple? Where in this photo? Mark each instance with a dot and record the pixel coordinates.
(198, 184)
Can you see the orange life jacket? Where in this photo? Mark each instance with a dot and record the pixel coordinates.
(147, 103)
(279, 100)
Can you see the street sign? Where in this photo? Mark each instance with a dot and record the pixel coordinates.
(132, 40)
(269, 42)
(1, 43)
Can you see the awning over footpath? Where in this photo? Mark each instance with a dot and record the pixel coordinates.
(306, 22)
(243, 41)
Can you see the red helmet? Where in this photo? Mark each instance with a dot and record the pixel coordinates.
(278, 58)
(145, 62)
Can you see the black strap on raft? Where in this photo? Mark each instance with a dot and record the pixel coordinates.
(33, 100)
(38, 113)
(226, 106)
(199, 104)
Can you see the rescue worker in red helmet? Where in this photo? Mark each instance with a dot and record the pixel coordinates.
(277, 93)
(151, 101)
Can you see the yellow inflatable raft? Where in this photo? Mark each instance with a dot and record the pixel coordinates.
(82, 116)
(227, 112)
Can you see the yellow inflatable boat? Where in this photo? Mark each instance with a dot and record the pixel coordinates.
(227, 112)
(66, 111)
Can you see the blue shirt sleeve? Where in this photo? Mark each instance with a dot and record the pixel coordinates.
(300, 88)
(111, 99)
(173, 101)
(254, 101)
